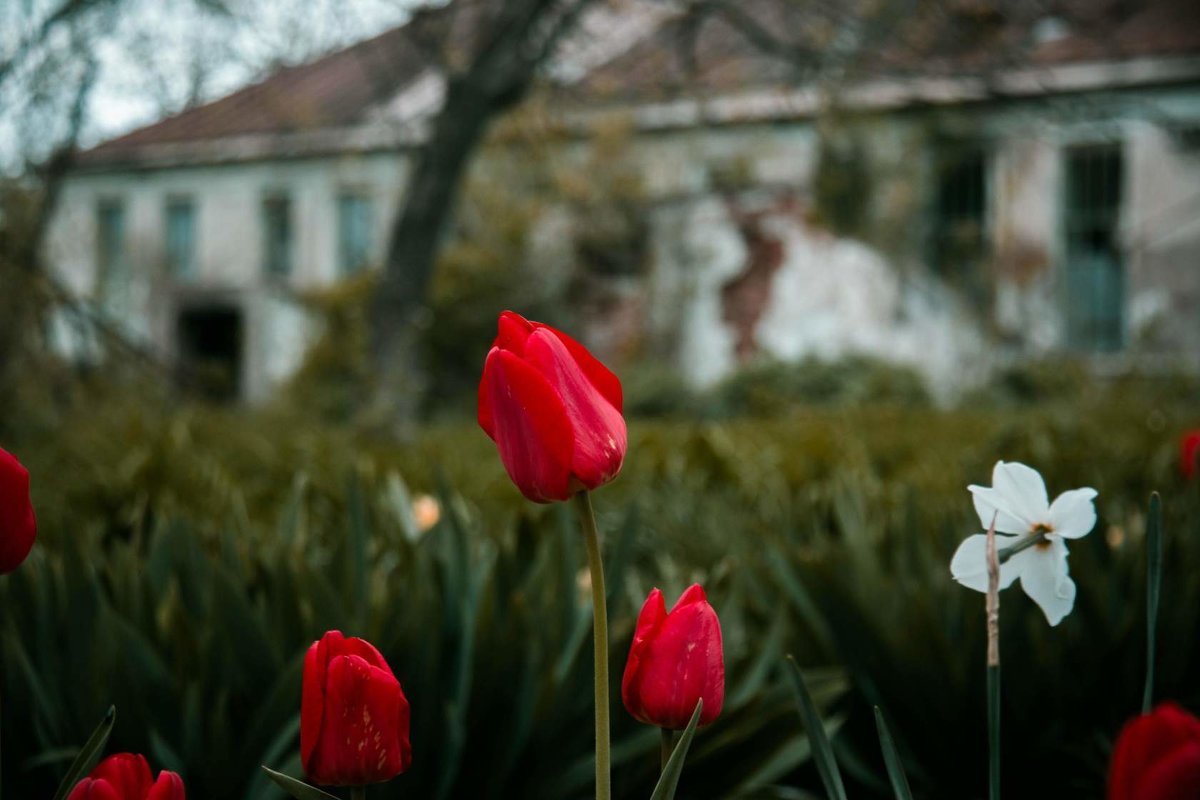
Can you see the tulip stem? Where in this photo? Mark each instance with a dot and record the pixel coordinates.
(587, 519)
(668, 745)
(358, 793)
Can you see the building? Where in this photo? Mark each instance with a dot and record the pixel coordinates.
(1011, 188)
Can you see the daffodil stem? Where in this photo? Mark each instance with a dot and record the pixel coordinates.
(358, 793)
(1022, 544)
(668, 745)
(993, 662)
(587, 519)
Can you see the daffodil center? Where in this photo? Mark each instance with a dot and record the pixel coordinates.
(1036, 538)
(1039, 532)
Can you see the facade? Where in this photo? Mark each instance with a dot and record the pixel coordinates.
(950, 219)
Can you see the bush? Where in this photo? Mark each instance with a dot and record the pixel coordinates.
(188, 556)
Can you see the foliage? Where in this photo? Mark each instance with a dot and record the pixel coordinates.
(188, 556)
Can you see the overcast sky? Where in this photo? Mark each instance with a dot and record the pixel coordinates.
(151, 55)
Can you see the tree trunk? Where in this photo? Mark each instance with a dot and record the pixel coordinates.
(398, 312)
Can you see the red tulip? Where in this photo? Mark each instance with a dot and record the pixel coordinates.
(353, 716)
(1189, 454)
(1157, 757)
(18, 528)
(553, 410)
(675, 660)
(126, 776)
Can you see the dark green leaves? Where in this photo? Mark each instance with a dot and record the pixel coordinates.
(891, 758)
(669, 780)
(88, 755)
(297, 788)
(822, 751)
(1154, 564)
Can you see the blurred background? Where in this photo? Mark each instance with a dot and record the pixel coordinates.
(843, 256)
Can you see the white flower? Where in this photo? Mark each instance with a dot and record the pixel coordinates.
(1017, 500)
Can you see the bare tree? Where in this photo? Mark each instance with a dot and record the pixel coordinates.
(490, 52)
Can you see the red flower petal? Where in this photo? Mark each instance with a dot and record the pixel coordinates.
(94, 789)
(599, 431)
(513, 331)
(169, 786)
(18, 526)
(601, 377)
(1176, 776)
(128, 773)
(530, 427)
(312, 698)
(1144, 742)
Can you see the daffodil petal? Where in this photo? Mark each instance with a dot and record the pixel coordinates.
(1024, 489)
(1044, 578)
(988, 502)
(1073, 514)
(969, 565)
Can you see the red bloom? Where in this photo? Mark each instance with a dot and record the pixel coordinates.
(675, 660)
(1157, 757)
(353, 715)
(126, 776)
(18, 528)
(553, 410)
(1189, 454)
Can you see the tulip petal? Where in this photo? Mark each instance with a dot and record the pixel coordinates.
(1073, 514)
(94, 789)
(532, 431)
(1024, 489)
(599, 431)
(1175, 776)
(653, 612)
(1144, 741)
(600, 376)
(169, 786)
(1044, 578)
(991, 504)
(18, 526)
(312, 698)
(128, 773)
(365, 734)
(969, 565)
(513, 332)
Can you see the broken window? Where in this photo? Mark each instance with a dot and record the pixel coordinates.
(1095, 279)
(181, 237)
(355, 220)
(277, 235)
(111, 266)
(960, 215)
(210, 350)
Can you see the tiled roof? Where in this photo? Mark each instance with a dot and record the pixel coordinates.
(669, 56)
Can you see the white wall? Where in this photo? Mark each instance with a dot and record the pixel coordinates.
(229, 246)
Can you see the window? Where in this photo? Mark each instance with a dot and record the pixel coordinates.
(960, 214)
(354, 232)
(110, 248)
(277, 234)
(1095, 275)
(181, 237)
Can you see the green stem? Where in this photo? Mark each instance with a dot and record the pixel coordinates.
(358, 793)
(1021, 544)
(668, 745)
(587, 518)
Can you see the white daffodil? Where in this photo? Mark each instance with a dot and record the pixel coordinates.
(1033, 530)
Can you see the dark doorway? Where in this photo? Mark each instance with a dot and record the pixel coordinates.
(210, 351)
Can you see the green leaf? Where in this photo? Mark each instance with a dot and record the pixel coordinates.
(822, 751)
(895, 767)
(89, 754)
(296, 788)
(669, 780)
(1154, 560)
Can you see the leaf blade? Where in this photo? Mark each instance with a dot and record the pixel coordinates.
(822, 751)
(668, 782)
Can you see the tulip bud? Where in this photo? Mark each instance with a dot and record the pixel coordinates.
(18, 528)
(553, 410)
(126, 776)
(1157, 757)
(675, 660)
(354, 716)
